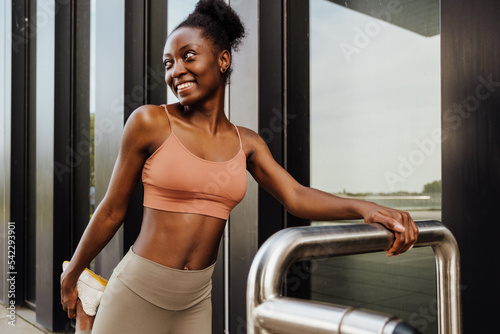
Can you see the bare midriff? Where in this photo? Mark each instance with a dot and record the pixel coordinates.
(179, 240)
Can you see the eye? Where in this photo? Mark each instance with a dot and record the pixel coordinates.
(188, 54)
(167, 63)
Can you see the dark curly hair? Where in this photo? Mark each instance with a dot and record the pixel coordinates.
(219, 23)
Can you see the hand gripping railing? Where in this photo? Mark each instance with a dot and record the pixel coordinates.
(268, 312)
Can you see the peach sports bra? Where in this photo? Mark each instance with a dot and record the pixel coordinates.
(176, 180)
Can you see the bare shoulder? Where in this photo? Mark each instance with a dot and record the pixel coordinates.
(148, 116)
(146, 128)
(248, 135)
(251, 141)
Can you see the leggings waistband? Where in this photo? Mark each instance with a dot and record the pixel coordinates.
(165, 287)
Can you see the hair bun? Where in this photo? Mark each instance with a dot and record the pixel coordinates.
(226, 17)
(219, 23)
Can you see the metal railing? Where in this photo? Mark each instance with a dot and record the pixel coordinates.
(268, 312)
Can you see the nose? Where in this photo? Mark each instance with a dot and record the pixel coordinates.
(177, 69)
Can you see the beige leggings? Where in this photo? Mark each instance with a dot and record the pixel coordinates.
(145, 297)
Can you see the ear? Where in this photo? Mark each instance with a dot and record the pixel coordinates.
(224, 60)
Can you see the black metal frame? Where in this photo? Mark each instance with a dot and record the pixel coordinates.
(81, 124)
(271, 107)
(284, 106)
(30, 232)
(297, 149)
(135, 65)
(284, 101)
(145, 33)
(20, 138)
(470, 76)
(71, 118)
(297, 97)
(63, 133)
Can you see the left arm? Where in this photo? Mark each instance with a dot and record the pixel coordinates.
(313, 204)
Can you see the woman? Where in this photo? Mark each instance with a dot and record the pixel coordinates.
(193, 163)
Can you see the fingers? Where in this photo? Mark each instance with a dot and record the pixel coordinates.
(69, 297)
(405, 230)
(72, 312)
(404, 241)
(70, 308)
(389, 222)
(414, 232)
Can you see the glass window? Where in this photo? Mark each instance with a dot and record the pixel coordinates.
(45, 80)
(375, 135)
(106, 110)
(375, 109)
(5, 91)
(5, 126)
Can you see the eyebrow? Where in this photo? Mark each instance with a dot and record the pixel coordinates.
(182, 48)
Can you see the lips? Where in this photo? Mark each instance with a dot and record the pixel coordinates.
(185, 85)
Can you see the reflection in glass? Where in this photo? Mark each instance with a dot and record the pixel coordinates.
(108, 100)
(375, 106)
(375, 135)
(45, 80)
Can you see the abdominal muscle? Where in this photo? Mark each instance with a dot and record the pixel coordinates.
(179, 240)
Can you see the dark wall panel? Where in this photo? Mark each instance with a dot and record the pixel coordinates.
(63, 154)
(471, 150)
(271, 107)
(81, 141)
(135, 91)
(145, 33)
(19, 137)
(297, 115)
(298, 97)
(156, 89)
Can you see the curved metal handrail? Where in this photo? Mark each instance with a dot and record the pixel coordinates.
(268, 312)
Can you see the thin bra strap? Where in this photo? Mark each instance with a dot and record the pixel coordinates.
(169, 119)
(239, 137)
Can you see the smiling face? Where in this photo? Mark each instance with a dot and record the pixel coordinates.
(193, 67)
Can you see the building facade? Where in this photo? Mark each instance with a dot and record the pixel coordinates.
(393, 101)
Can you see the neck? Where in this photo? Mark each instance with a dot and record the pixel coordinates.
(209, 113)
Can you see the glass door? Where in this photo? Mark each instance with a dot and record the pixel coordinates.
(375, 134)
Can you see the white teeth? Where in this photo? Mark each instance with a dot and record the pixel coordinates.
(185, 85)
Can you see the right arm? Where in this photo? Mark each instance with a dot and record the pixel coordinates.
(107, 219)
